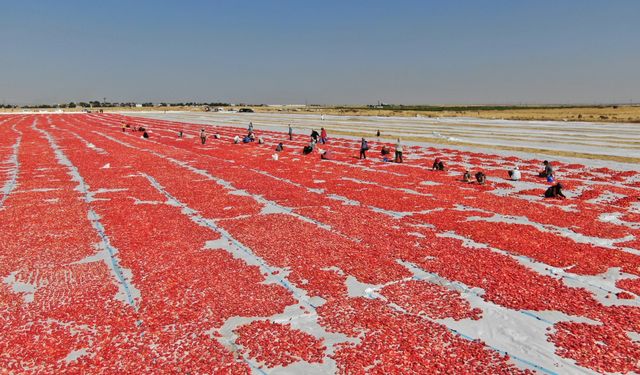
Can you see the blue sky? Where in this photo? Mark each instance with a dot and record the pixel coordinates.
(326, 52)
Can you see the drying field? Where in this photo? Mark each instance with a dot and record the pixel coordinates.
(613, 141)
(608, 114)
(122, 255)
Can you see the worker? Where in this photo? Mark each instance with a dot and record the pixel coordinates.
(438, 165)
(327, 155)
(466, 177)
(315, 135)
(398, 158)
(385, 151)
(203, 136)
(250, 128)
(290, 133)
(554, 191)
(145, 135)
(307, 149)
(548, 170)
(364, 146)
(236, 139)
(514, 174)
(279, 147)
(481, 178)
(323, 136)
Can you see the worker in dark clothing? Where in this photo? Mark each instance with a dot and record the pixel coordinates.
(279, 147)
(548, 170)
(438, 165)
(145, 135)
(364, 146)
(307, 150)
(290, 133)
(481, 178)
(466, 177)
(554, 191)
(315, 136)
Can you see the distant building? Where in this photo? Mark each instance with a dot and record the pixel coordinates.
(287, 105)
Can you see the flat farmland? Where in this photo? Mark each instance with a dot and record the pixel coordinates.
(120, 254)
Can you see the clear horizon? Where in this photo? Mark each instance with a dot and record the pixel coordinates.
(332, 53)
(452, 105)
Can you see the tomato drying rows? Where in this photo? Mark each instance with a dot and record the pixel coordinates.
(121, 254)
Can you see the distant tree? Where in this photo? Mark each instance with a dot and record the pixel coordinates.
(84, 104)
(71, 105)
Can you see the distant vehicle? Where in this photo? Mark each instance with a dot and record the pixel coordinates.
(245, 110)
